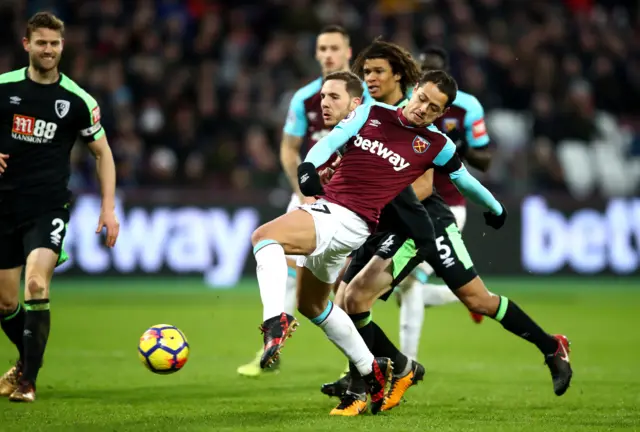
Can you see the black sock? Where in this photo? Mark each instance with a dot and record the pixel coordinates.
(36, 333)
(383, 347)
(13, 326)
(520, 324)
(362, 321)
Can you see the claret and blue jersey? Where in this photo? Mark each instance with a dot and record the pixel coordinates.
(304, 118)
(383, 155)
(467, 115)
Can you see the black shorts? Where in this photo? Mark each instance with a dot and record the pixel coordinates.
(448, 255)
(18, 239)
(383, 244)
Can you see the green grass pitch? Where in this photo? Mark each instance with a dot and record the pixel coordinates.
(479, 378)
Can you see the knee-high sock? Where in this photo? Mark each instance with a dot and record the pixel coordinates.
(36, 334)
(411, 318)
(271, 271)
(437, 295)
(340, 330)
(13, 325)
(290, 294)
(516, 321)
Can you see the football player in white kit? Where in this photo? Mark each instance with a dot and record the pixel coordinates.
(303, 129)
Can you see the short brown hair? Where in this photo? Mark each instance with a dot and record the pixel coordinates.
(445, 83)
(400, 60)
(351, 80)
(44, 20)
(334, 28)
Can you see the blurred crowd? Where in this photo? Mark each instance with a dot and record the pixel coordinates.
(195, 92)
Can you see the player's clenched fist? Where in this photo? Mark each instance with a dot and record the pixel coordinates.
(309, 180)
(3, 162)
(496, 221)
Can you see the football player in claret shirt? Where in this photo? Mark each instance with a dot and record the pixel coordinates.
(387, 148)
(303, 129)
(42, 114)
(391, 252)
(464, 124)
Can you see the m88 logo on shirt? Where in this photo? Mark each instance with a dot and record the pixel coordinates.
(33, 130)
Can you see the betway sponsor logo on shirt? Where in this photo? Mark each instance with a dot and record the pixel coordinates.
(376, 147)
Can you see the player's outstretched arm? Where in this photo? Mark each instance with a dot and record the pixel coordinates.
(469, 186)
(106, 170)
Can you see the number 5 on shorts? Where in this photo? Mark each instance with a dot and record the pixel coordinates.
(455, 239)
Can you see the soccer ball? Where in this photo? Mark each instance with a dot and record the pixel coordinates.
(163, 349)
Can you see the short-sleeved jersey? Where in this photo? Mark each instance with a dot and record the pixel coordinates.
(39, 125)
(467, 115)
(382, 156)
(304, 118)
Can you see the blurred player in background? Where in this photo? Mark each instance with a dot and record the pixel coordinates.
(388, 72)
(43, 113)
(464, 124)
(305, 127)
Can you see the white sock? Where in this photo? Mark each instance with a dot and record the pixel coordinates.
(272, 277)
(290, 295)
(411, 318)
(340, 330)
(437, 295)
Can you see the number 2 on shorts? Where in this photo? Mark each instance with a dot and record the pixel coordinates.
(55, 234)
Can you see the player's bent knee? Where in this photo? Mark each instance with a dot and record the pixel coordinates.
(8, 305)
(36, 287)
(340, 295)
(357, 299)
(475, 296)
(259, 234)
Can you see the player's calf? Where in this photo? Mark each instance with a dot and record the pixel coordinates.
(39, 269)
(291, 234)
(367, 286)
(12, 319)
(555, 348)
(12, 313)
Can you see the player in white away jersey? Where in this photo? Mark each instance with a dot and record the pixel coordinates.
(303, 129)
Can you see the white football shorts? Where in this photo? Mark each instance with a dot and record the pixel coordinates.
(338, 232)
